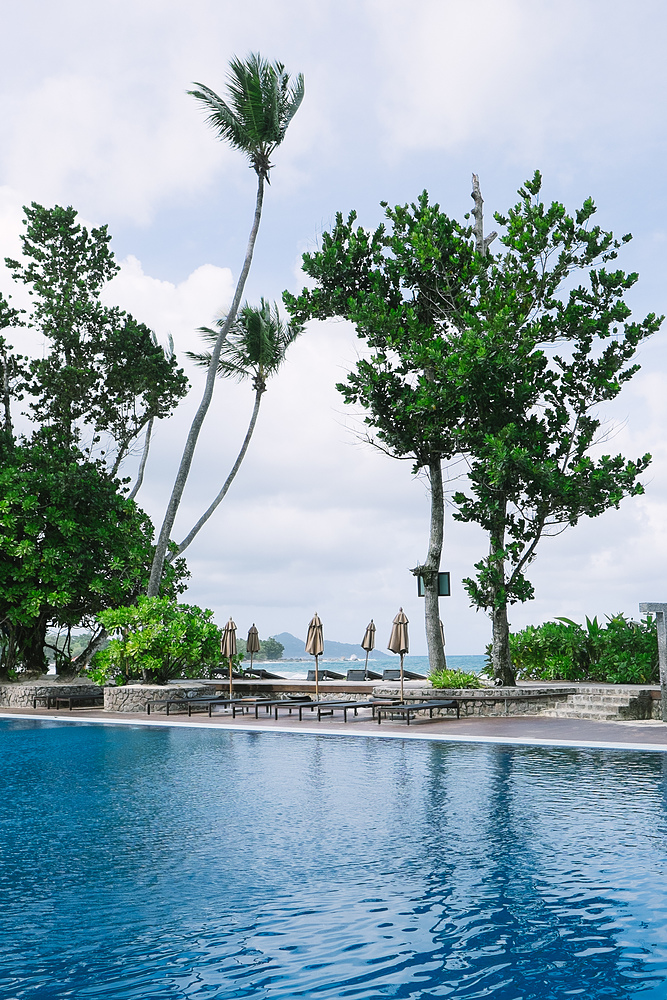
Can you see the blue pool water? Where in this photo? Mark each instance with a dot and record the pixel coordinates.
(170, 863)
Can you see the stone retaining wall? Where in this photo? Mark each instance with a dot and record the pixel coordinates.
(487, 701)
(133, 697)
(23, 694)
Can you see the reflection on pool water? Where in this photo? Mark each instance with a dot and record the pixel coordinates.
(170, 863)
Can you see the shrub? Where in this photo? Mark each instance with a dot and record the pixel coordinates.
(155, 641)
(620, 652)
(454, 679)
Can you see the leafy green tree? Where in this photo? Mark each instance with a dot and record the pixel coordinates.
(70, 545)
(461, 363)
(254, 349)
(254, 120)
(271, 649)
(157, 640)
(102, 374)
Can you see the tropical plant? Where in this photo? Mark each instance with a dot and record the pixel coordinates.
(454, 679)
(157, 640)
(254, 120)
(620, 652)
(254, 349)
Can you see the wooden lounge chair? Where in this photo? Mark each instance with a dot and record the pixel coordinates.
(362, 675)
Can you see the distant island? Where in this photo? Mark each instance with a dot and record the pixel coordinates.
(294, 647)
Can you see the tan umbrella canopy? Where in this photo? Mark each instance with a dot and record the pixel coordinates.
(368, 643)
(252, 642)
(398, 640)
(228, 647)
(315, 646)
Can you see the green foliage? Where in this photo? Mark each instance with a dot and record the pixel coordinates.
(499, 359)
(155, 641)
(454, 679)
(620, 652)
(102, 372)
(255, 347)
(70, 546)
(262, 103)
(269, 649)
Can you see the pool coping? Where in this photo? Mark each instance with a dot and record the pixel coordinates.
(403, 734)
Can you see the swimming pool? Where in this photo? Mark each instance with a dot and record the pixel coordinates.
(172, 863)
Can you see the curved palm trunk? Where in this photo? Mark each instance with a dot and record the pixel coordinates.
(228, 482)
(429, 571)
(144, 459)
(191, 443)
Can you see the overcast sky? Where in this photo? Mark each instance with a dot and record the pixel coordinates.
(399, 97)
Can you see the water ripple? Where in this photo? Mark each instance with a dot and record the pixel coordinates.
(167, 863)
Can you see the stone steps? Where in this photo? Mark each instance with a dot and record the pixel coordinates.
(601, 704)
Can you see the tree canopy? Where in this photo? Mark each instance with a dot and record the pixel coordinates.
(71, 542)
(501, 360)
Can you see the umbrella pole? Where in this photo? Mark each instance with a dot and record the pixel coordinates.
(251, 659)
(231, 682)
(366, 666)
(401, 676)
(317, 678)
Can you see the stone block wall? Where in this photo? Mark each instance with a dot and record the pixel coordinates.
(133, 697)
(23, 694)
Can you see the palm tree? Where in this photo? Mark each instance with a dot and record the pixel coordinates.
(255, 349)
(262, 103)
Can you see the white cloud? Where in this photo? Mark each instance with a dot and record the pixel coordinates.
(168, 309)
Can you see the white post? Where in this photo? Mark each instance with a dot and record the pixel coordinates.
(660, 610)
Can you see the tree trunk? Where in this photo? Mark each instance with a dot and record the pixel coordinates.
(32, 646)
(144, 459)
(189, 450)
(500, 649)
(429, 571)
(228, 482)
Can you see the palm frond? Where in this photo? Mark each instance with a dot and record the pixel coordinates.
(261, 104)
(255, 346)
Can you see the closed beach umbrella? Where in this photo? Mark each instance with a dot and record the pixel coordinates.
(315, 646)
(368, 643)
(398, 640)
(252, 642)
(228, 647)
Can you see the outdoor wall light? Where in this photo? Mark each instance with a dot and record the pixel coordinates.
(443, 586)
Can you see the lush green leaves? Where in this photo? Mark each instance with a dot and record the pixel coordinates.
(103, 373)
(261, 104)
(255, 347)
(70, 546)
(501, 360)
(454, 679)
(157, 640)
(620, 652)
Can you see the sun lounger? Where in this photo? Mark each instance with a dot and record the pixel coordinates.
(406, 709)
(394, 674)
(329, 707)
(89, 700)
(263, 674)
(362, 675)
(325, 675)
(270, 703)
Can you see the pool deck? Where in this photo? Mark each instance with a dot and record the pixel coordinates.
(514, 730)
